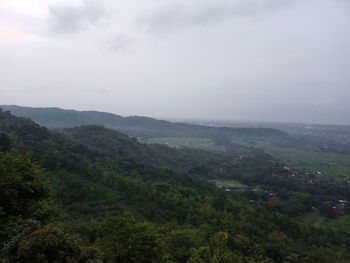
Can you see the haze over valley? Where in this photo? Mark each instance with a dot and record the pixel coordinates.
(263, 60)
(174, 131)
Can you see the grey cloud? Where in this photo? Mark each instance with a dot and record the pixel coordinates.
(17, 20)
(119, 43)
(261, 60)
(96, 90)
(204, 13)
(73, 18)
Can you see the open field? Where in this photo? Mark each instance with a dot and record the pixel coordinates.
(197, 143)
(327, 163)
(341, 222)
(314, 161)
(228, 183)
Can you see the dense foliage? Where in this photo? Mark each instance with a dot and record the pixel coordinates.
(134, 125)
(90, 194)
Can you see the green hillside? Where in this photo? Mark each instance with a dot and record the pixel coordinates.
(134, 125)
(90, 194)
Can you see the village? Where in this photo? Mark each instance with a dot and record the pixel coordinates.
(339, 204)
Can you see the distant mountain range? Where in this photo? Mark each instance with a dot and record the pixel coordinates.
(143, 127)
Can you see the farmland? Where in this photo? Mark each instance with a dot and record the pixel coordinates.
(177, 142)
(326, 162)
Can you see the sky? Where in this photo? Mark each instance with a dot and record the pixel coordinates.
(256, 60)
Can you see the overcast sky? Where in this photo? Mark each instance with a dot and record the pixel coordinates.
(264, 60)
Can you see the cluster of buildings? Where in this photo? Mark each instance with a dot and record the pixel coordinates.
(341, 206)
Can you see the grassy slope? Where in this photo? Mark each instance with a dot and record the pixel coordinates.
(228, 183)
(311, 161)
(314, 161)
(341, 222)
(197, 143)
(306, 160)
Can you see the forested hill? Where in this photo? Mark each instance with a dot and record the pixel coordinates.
(90, 194)
(134, 126)
(71, 148)
(98, 143)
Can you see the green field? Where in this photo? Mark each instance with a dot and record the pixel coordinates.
(307, 160)
(341, 222)
(314, 161)
(177, 142)
(228, 183)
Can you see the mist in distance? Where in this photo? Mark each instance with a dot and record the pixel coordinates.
(256, 60)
